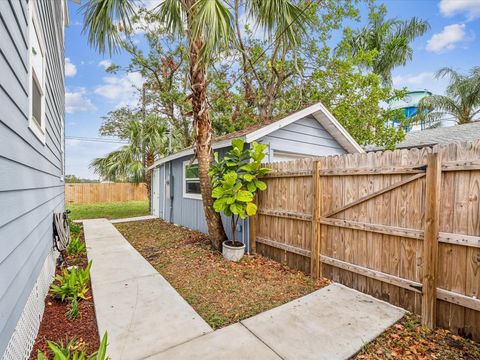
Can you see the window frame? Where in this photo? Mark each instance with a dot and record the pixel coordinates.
(184, 180)
(39, 130)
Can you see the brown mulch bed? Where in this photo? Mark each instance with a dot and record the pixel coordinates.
(407, 339)
(222, 292)
(56, 327)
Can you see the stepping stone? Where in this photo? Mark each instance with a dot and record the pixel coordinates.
(330, 323)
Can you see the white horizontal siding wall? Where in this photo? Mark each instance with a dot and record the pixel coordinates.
(31, 188)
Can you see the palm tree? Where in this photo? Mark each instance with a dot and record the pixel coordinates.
(462, 99)
(391, 38)
(207, 26)
(147, 142)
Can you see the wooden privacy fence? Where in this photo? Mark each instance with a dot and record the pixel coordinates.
(82, 193)
(403, 226)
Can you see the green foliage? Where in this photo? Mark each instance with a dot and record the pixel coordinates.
(462, 99)
(75, 229)
(76, 246)
(72, 312)
(75, 350)
(147, 140)
(354, 98)
(390, 38)
(235, 179)
(71, 284)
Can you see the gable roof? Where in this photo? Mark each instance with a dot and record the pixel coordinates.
(443, 135)
(255, 132)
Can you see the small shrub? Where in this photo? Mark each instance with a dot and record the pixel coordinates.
(71, 284)
(236, 179)
(75, 229)
(72, 312)
(76, 247)
(74, 350)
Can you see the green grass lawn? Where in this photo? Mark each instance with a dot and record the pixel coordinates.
(112, 210)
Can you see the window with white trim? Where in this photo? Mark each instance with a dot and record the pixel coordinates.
(36, 118)
(191, 181)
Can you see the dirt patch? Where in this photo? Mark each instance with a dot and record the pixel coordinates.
(56, 327)
(222, 292)
(407, 339)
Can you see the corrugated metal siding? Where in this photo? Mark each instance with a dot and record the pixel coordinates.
(305, 136)
(30, 184)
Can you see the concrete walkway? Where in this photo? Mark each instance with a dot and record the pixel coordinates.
(141, 311)
(146, 318)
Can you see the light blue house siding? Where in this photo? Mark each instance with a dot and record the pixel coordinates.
(31, 168)
(186, 212)
(305, 137)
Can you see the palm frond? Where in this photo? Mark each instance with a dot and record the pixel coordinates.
(103, 22)
(282, 19)
(211, 22)
(172, 14)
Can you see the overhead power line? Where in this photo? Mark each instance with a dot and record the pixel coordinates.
(101, 140)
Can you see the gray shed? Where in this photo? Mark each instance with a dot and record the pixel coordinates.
(32, 103)
(312, 131)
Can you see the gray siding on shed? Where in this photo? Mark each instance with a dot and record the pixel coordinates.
(188, 212)
(305, 136)
(31, 188)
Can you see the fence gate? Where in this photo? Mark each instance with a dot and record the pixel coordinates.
(403, 226)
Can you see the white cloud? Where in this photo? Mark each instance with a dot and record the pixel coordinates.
(121, 89)
(471, 8)
(76, 101)
(70, 69)
(105, 64)
(447, 39)
(420, 80)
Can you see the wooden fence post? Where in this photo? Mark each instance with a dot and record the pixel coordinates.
(315, 265)
(253, 230)
(430, 242)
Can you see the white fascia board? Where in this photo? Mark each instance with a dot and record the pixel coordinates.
(325, 118)
(255, 135)
(186, 152)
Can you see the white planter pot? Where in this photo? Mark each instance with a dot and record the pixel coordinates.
(233, 253)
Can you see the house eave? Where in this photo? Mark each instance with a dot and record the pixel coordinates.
(189, 151)
(319, 112)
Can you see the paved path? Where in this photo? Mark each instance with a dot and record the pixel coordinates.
(141, 311)
(146, 318)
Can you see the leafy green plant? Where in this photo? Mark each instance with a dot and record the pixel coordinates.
(76, 246)
(72, 312)
(75, 229)
(235, 180)
(74, 350)
(71, 284)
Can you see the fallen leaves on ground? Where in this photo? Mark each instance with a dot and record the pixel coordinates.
(408, 339)
(222, 292)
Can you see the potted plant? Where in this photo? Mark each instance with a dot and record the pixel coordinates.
(235, 181)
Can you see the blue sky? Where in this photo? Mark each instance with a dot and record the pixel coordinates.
(91, 93)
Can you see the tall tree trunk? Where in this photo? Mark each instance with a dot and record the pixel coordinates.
(149, 160)
(203, 136)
